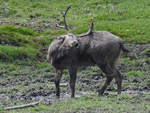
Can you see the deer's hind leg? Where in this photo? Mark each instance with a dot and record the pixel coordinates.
(108, 70)
(118, 79)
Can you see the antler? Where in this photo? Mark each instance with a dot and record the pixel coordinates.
(66, 27)
(64, 16)
(89, 31)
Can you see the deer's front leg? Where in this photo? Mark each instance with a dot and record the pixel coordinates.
(73, 75)
(57, 82)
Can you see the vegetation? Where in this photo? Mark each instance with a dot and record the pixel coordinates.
(27, 27)
(30, 24)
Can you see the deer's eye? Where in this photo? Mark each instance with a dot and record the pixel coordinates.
(61, 38)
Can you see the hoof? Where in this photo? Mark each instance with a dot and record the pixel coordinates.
(72, 96)
(100, 93)
(57, 96)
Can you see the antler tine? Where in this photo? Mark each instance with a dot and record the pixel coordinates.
(57, 25)
(89, 31)
(64, 16)
(91, 27)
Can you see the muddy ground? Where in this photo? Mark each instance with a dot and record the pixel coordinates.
(25, 84)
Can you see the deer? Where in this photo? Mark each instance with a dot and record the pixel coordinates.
(70, 51)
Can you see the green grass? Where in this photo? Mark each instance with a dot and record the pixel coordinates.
(16, 36)
(10, 54)
(128, 19)
(135, 73)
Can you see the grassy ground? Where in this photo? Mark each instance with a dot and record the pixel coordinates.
(28, 26)
(93, 104)
(22, 84)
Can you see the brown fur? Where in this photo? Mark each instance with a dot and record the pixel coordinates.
(100, 48)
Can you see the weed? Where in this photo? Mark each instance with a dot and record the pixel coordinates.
(135, 73)
(10, 54)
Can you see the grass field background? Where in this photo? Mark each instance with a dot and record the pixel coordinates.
(27, 27)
